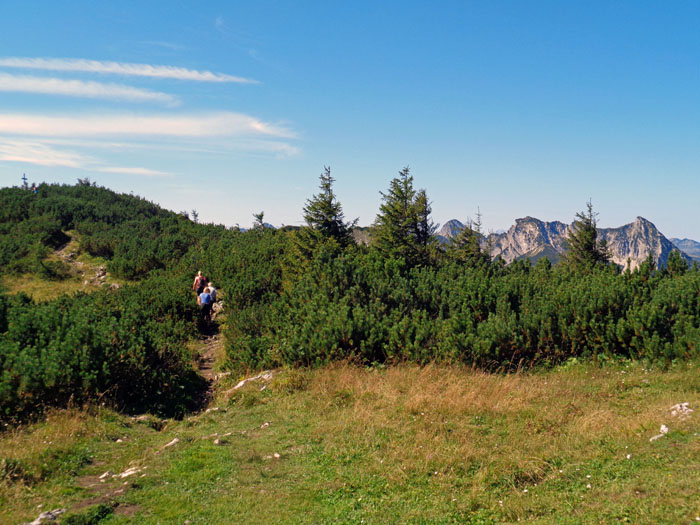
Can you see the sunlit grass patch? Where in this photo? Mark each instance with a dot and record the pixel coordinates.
(41, 289)
(433, 444)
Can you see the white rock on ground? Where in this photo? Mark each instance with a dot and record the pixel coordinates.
(266, 375)
(128, 472)
(662, 432)
(49, 515)
(681, 410)
(173, 442)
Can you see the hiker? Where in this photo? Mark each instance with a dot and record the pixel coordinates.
(199, 283)
(205, 301)
(212, 291)
(35, 189)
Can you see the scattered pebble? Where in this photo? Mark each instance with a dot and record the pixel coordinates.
(265, 424)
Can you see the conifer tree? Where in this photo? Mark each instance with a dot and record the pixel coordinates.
(676, 265)
(403, 227)
(325, 223)
(584, 251)
(324, 214)
(466, 246)
(259, 221)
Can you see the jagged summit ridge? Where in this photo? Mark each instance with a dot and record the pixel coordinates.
(533, 238)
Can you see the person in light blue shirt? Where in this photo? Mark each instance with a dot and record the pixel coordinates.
(205, 302)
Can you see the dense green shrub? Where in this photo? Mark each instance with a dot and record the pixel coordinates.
(366, 304)
(126, 346)
(361, 305)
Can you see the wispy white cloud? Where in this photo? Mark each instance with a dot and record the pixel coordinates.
(120, 68)
(40, 154)
(82, 89)
(221, 124)
(133, 171)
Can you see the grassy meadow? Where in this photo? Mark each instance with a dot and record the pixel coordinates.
(402, 444)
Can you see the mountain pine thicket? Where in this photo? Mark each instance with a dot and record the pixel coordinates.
(307, 297)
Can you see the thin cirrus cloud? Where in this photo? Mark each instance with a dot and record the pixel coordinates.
(42, 154)
(120, 68)
(82, 89)
(219, 124)
(133, 171)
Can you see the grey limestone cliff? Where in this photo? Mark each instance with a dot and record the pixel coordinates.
(532, 238)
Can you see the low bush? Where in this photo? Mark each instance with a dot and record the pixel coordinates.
(125, 346)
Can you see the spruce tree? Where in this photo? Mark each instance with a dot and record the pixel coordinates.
(325, 224)
(584, 251)
(324, 214)
(403, 227)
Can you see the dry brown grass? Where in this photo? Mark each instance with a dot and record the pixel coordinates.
(510, 431)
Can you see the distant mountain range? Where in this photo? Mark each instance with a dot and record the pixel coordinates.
(688, 246)
(532, 238)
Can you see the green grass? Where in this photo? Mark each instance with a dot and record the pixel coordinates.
(400, 445)
(78, 276)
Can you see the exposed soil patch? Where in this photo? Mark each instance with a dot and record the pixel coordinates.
(210, 348)
(207, 357)
(104, 491)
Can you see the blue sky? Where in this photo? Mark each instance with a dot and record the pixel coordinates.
(231, 108)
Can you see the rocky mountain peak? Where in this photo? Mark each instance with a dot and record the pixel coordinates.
(532, 238)
(451, 228)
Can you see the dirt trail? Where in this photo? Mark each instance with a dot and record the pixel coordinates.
(210, 349)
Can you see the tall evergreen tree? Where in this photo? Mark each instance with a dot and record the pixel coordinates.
(325, 223)
(324, 214)
(403, 227)
(584, 251)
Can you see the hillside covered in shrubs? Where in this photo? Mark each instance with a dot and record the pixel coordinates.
(308, 296)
